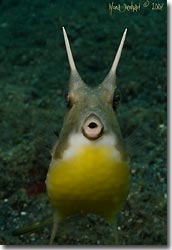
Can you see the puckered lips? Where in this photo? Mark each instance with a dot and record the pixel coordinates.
(92, 127)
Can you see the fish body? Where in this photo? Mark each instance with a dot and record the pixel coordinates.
(89, 169)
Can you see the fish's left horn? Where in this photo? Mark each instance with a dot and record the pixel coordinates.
(111, 76)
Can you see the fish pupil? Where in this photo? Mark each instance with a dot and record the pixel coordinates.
(116, 98)
(68, 100)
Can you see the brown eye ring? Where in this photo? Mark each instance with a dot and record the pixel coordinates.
(68, 100)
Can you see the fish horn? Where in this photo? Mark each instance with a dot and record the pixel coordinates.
(75, 79)
(109, 80)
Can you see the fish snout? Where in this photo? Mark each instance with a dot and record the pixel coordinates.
(92, 127)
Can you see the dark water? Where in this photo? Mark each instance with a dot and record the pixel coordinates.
(34, 73)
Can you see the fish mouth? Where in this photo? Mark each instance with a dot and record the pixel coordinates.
(92, 127)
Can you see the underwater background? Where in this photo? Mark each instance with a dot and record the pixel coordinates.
(34, 73)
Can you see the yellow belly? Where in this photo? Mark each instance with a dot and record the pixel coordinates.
(89, 181)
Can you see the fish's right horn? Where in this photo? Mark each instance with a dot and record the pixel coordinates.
(75, 79)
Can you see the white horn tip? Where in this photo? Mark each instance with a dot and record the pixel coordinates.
(118, 54)
(125, 32)
(69, 52)
(64, 31)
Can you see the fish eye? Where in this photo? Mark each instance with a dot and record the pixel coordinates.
(68, 100)
(116, 98)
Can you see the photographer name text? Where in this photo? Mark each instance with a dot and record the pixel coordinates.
(133, 7)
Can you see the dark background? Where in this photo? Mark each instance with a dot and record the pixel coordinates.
(34, 72)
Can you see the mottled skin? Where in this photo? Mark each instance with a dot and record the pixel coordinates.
(84, 101)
